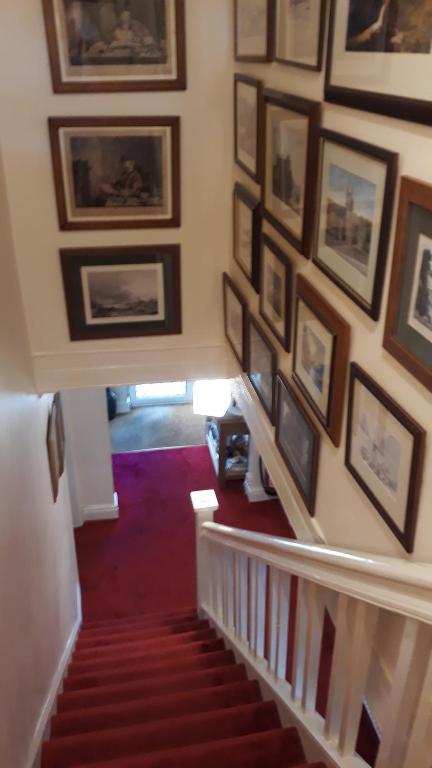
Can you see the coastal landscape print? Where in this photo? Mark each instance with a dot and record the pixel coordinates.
(420, 313)
(123, 294)
(390, 26)
(379, 448)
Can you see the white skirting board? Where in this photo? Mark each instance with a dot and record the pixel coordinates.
(257, 493)
(101, 511)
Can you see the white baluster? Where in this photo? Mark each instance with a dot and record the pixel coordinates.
(315, 622)
(230, 587)
(253, 593)
(274, 618)
(300, 639)
(338, 670)
(418, 751)
(244, 590)
(284, 628)
(261, 609)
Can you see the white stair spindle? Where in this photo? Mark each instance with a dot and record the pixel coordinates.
(261, 608)
(284, 624)
(229, 575)
(338, 670)
(315, 623)
(253, 596)
(244, 589)
(418, 752)
(274, 618)
(300, 639)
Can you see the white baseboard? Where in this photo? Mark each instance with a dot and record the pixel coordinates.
(102, 511)
(256, 493)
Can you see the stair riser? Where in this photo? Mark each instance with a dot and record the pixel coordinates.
(155, 619)
(120, 651)
(131, 635)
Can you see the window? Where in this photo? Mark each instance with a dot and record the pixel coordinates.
(164, 393)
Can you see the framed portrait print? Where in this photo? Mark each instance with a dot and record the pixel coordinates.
(247, 228)
(261, 365)
(355, 205)
(247, 125)
(118, 292)
(384, 453)
(380, 57)
(408, 329)
(276, 295)
(116, 173)
(235, 318)
(122, 45)
(298, 441)
(321, 346)
(291, 151)
(253, 30)
(299, 33)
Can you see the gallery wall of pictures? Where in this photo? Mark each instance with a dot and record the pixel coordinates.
(338, 228)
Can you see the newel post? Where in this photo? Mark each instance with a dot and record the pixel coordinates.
(204, 505)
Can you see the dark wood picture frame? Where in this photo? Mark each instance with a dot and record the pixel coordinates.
(285, 338)
(341, 332)
(229, 285)
(60, 85)
(57, 123)
(312, 111)
(74, 259)
(253, 83)
(413, 193)
(61, 438)
(308, 498)
(273, 355)
(254, 204)
(390, 160)
(268, 56)
(399, 107)
(320, 48)
(53, 450)
(407, 535)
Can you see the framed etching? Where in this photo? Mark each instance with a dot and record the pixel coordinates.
(261, 366)
(408, 329)
(298, 441)
(253, 30)
(122, 45)
(355, 206)
(247, 228)
(276, 296)
(235, 318)
(118, 292)
(247, 125)
(299, 33)
(291, 153)
(380, 57)
(321, 346)
(384, 453)
(116, 173)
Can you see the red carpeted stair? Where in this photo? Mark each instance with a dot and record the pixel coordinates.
(161, 691)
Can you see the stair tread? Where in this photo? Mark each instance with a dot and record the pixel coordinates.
(150, 617)
(138, 632)
(125, 648)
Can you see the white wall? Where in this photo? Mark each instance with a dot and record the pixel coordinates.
(39, 600)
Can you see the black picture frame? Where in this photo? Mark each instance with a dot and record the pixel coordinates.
(242, 196)
(286, 292)
(229, 285)
(254, 330)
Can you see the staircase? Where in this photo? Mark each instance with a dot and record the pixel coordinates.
(155, 691)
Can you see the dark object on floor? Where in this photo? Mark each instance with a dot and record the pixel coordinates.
(111, 403)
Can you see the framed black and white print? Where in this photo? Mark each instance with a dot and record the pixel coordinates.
(235, 318)
(299, 33)
(291, 126)
(261, 365)
(380, 57)
(118, 292)
(384, 453)
(298, 441)
(247, 228)
(276, 295)
(355, 206)
(247, 125)
(116, 173)
(120, 45)
(253, 30)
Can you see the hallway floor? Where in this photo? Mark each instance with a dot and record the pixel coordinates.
(157, 426)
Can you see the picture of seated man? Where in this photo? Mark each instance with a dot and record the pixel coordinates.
(130, 188)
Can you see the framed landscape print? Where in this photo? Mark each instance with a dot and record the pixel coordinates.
(247, 125)
(276, 296)
(261, 366)
(116, 45)
(118, 292)
(116, 173)
(253, 29)
(408, 329)
(235, 318)
(380, 57)
(299, 33)
(355, 206)
(321, 347)
(298, 441)
(247, 228)
(384, 453)
(291, 152)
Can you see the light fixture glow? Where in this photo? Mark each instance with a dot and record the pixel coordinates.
(211, 397)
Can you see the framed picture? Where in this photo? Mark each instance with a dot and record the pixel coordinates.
(321, 347)
(235, 318)
(116, 173)
(247, 125)
(53, 450)
(291, 153)
(60, 430)
(380, 57)
(261, 366)
(247, 228)
(117, 292)
(123, 45)
(299, 33)
(253, 30)
(276, 297)
(298, 441)
(408, 329)
(384, 453)
(354, 216)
